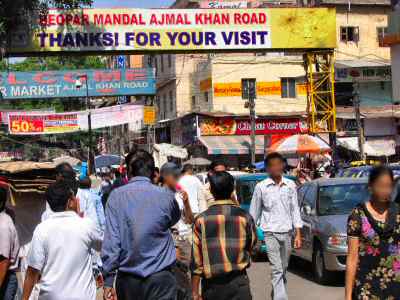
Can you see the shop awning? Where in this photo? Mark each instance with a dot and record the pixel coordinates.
(235, 144)
(372, 147)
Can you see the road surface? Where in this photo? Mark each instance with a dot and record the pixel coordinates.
(300, 283)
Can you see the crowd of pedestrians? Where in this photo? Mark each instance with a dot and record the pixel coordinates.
(161, 234)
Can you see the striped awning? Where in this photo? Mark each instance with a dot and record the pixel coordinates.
(231, 144)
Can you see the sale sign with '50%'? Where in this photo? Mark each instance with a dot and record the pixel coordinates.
(39, 124)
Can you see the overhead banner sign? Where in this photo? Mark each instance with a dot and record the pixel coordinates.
(58, 84)
(228, 126)
(42, 124)
(99, 30)
(32, 124)
(113, 116)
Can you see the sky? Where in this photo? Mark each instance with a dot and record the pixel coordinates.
(131, 3)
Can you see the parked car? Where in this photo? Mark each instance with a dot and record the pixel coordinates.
(363, 171)
(324, 206)
(245, 184)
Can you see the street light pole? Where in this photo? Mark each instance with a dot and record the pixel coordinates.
(88, 107)
(360, 131)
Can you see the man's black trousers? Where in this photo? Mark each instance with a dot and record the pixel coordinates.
(233, 286)
(160, 286)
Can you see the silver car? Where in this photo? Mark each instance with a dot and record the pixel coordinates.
(325, 205)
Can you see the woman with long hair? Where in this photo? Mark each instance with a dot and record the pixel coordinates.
(373, 260)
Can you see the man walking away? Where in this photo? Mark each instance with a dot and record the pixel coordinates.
(9, 247)
(60, 253)
(193, 186)
(138, 241)
(275, 208)
(223, 237)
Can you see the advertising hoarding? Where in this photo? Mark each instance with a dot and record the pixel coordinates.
(58, 84)
(99, 30)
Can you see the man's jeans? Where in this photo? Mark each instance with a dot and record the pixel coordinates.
(279, 247)
(9, 286)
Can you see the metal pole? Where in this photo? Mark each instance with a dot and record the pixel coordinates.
(90, 154)
(253, 130)
(360, 132)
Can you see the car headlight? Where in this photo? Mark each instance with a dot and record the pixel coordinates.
(337, 240)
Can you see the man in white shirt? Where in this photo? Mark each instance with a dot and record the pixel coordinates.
(9, 247)
(275, 209)
(61, 247)
(194, 188)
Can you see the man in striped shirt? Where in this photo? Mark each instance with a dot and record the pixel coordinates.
(223, 237)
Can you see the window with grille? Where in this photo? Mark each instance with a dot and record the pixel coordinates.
(380, 33)
(206, 96)
(288, 87)
(349, 34)
(193, 101)
(169, 60)
(171, 102)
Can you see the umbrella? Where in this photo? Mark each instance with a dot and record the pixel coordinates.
(300, 144)
(198, 161)
(107, 160)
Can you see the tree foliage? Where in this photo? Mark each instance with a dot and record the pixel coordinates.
(52, 63)
(15, 12)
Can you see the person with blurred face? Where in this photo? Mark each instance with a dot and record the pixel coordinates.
(60, 256)
(216, 166)
(275, 209)
(373, 230)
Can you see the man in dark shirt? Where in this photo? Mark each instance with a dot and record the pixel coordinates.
(138, 241)
(223, 237)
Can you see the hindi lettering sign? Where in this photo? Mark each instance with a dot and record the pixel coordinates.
(56, 84)
(99, 30)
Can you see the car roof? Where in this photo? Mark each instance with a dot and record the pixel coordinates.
(338, 181)
(250, 176)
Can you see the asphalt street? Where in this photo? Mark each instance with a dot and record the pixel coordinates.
(300, 283)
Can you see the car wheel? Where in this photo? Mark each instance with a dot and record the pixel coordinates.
(321, 274)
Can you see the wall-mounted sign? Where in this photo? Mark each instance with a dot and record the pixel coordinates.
(223, 4)
(228, 126)
(363, 74)
(234, 89)
(55, 84)
(100, 30)
(149, 115)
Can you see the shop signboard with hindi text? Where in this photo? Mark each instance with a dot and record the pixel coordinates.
(229, 126)
(142, 30)
(59, 84)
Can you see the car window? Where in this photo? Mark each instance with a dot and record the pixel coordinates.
(341, 199)
(245, 190)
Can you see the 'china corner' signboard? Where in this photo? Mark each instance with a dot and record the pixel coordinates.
(54, 84)
(229, 126)
(99, 30)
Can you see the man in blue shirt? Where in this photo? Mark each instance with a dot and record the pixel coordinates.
(137, 241)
